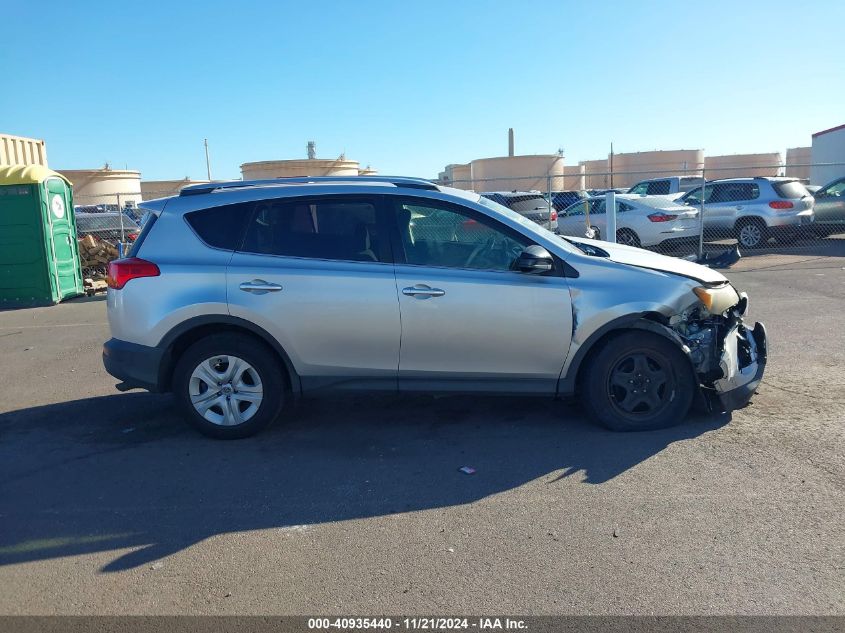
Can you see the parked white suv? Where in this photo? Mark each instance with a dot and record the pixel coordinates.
(239, 297)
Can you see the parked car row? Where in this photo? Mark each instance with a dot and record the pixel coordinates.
(664, 212)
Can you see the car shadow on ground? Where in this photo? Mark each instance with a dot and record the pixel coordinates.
(124, 471)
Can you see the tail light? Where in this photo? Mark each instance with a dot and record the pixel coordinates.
(122, 271)
(131, 236)
(553, 216)
(781, 204)
(662, 217)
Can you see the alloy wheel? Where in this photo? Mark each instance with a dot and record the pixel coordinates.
(750, 235)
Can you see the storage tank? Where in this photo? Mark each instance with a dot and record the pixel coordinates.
(518, 173)
(152, 189)
(596, 174)
(299, 167)
(630, 168)
(19, 150)
(120, 187)
(743, 165)
(573, 178)
(798, 161)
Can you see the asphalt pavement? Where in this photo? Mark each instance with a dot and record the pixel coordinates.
(109, 504)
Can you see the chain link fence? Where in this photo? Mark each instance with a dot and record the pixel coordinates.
(106, 227)
(698, 214)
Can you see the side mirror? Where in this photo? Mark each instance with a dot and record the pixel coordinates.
(533, 260)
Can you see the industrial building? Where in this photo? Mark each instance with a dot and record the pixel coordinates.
(828, 147)
(798, 161)
(19, 150)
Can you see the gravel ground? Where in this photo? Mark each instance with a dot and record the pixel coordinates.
(110, 505)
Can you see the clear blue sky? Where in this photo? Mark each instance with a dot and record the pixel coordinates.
(409, 87)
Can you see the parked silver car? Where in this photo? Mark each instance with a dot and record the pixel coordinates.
(239, 297)
(753, 210)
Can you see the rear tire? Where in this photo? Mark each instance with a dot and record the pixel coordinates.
(628, 238)
(638, 381)
(752, 233)
(229, 386)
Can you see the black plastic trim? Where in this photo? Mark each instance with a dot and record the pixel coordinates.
(170, 338)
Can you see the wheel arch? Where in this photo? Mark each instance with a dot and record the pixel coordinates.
(646, 321)
(177, 340)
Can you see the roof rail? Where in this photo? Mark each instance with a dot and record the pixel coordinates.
(398, 181)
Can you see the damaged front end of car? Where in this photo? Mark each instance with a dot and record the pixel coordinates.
(729, 358)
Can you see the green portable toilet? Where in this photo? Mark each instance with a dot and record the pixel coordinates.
(39, 257)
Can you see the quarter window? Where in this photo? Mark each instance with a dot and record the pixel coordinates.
(432, 235)
(220, 227)
(334, 229)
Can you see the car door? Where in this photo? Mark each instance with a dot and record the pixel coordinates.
(469, 322)
(729, 202)
(829, 206)
(317, 274)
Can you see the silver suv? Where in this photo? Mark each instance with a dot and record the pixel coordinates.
(753, 210)
(240, 297)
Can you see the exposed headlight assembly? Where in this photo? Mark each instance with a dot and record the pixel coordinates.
(717, 300)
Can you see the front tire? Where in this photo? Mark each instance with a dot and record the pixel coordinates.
(638, 381)
(229, 386)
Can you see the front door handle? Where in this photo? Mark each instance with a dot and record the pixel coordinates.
(422, 291)
(259, 287)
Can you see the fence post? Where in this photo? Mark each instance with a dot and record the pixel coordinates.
(701, 216)
(549, 192)
(120, 215)
(610, 215)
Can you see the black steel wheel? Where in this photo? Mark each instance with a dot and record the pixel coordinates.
(638, 380)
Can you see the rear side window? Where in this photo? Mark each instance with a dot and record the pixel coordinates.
(336, 229)
(658, 188)
(221, 227)
(791, 189)
(735, 192)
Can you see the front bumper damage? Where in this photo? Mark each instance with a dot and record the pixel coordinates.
(728, 357)
(743, 362)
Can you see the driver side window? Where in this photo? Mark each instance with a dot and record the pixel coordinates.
(432, 235)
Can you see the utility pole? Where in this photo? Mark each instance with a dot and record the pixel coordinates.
(207, 163)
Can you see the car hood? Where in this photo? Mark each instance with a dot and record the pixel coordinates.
(646, 259)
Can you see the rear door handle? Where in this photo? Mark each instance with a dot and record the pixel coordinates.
(259, 287)
(422, 291)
